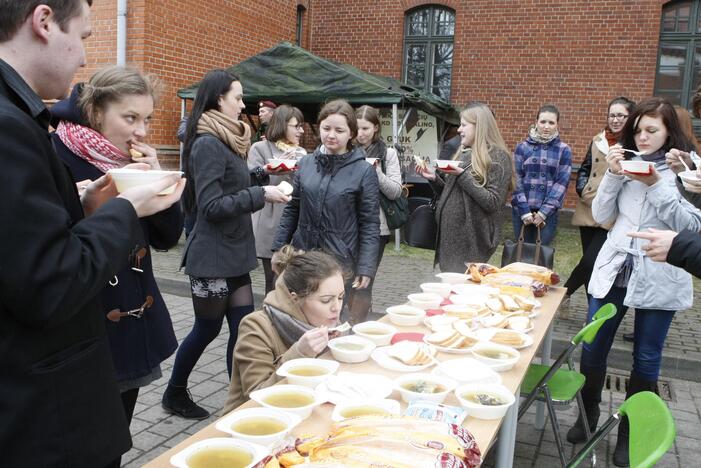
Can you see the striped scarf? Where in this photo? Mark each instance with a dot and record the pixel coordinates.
(92, 146)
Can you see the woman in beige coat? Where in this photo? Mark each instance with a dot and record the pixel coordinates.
(293, 323)
(589, 177)
(282, 141)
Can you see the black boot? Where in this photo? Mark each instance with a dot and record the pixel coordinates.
(635, 385)
(591, 396)
(177, 400)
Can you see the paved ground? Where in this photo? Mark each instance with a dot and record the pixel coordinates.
(154, 431)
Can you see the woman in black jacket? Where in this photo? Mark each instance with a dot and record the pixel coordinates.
(98, 125)
(220, 251)
(335, 203)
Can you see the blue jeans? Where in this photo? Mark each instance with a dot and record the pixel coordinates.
(651, 326)
(547, 233)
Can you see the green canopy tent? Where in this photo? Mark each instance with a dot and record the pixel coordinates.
(292, 75)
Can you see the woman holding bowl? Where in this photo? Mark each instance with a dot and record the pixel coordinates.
(285, 129)
(623, 274)
(472, 193)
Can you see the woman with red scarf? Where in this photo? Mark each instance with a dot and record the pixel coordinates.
(589, 176)
(102, 126)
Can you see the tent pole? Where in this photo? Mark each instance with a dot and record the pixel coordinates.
(395, 141)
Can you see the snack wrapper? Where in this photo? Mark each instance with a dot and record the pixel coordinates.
(436, 412)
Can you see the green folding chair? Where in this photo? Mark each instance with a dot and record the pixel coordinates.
(560, 387)
(652, 430)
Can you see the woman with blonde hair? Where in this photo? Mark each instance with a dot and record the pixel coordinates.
(471, 195)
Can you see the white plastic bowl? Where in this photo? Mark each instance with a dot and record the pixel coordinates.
(409, 396)
(226, 424)
(372, 161)
(499, 365)
(257, 452)
(387, 405)
(406, 315)
(125, 179)
(637, 167)
(351, 356)
(289, 164)
(259, 396)
(442, 289)
(425, 301)
(362, 329)
(453, 278)
(307, 380)
(447, 163)
(691, 181)
(479, 411)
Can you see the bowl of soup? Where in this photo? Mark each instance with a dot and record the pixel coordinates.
(125, 179)
(351, 349)
(453, 278)
(425, 300)
(442, 289)
(263, 426)
(358, 408)
(637, 167)
(499, 357)
(377, 332)
(220, 452)
(287, 164)
(485, 401)
(405, 315)
(423, 386)
(307, 371)
(296, 399)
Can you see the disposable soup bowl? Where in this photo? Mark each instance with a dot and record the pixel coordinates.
(255, 452)
(309, 372)
(125, 179)
(351, 349)
(248, 424)
(425, 300)
(405, 315)
(296, 399)
(499, 357)
(422, 386)
(442, 289)
(466, 395)
(377, 332)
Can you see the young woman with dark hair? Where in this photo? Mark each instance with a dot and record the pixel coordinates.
(623, 274)
(285, 129)
(335, 202)
(589, 177)
(542, 165)
(220, 251)
(293, 323)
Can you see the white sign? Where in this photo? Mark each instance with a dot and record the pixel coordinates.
(418, 138)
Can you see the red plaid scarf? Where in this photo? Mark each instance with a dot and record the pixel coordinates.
(92, 146)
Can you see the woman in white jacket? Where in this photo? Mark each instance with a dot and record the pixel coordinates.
(622, 274)
(389, 175)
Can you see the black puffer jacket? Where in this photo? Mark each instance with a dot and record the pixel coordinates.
(335, 209)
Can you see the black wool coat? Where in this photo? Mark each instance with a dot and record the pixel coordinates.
(59, 401)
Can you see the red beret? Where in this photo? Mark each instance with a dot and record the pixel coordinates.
(269, 104)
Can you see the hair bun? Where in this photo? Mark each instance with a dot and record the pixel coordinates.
(283, 257)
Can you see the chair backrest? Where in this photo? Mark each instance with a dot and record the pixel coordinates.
(588, 333)
(652, 428)
(652, 431)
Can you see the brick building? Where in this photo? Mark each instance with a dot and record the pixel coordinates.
(513, 54)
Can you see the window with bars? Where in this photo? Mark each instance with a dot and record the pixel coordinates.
(679, 57)
(428, 49)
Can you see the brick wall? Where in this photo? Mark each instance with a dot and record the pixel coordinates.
(515, 55)
(180, 40)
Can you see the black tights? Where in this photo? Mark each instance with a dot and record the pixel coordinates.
(270, 276)
(593, 239)
(209, 317)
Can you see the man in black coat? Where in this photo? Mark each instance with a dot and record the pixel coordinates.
(59, 402)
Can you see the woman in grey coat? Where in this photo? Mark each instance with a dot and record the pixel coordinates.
(472, 195)
(282, 138)
(623, 275)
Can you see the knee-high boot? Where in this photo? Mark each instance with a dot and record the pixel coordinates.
(636, 384)
(591, 396)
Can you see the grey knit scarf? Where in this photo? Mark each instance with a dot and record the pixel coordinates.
(289, 328)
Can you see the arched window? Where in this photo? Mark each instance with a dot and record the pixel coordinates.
(428, 48)
(679, 58)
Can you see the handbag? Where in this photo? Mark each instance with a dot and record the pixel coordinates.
(421, 228)
(520, 251)
(396, 211)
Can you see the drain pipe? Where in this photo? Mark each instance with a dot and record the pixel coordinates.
(121, 32)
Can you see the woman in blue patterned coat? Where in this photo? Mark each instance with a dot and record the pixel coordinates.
(543, 164)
